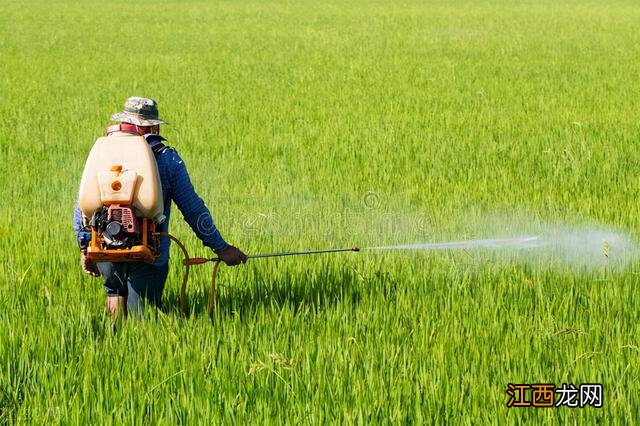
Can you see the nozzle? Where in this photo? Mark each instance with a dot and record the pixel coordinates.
(355, 248)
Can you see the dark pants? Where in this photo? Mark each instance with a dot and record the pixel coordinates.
(137, 281)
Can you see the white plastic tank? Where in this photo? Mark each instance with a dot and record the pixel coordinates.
(120, 169)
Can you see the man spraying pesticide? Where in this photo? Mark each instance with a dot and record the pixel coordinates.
(124, 205)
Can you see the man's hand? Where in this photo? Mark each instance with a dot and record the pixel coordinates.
(232, 256)
(88, 266)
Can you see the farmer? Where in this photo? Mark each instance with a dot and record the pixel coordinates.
(128, 284)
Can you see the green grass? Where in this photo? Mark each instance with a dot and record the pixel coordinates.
(289, 115)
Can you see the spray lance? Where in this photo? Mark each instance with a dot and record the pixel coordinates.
(190, 261)
(201, 260)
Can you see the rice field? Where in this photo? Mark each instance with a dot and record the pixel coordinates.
(315, 125)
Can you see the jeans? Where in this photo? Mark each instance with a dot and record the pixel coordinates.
(138, 281)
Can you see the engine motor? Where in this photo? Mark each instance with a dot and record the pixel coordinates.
(118, 225)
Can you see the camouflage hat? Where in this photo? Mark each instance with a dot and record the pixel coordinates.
(139, 111)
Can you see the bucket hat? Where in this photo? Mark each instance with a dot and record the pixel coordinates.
(139, 111)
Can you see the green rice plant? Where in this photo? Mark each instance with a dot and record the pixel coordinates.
(326, 124)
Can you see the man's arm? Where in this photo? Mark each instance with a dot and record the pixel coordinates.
(77, 218)
(87, 266)
(197, 215)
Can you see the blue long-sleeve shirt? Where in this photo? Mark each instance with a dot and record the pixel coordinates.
(176, 186)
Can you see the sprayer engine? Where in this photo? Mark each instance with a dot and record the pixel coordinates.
(118, 225)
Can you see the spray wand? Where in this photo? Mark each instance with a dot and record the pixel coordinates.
(201, 260)
(189, 261)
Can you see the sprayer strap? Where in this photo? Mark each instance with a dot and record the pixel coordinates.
(122, 127)
(158, 147)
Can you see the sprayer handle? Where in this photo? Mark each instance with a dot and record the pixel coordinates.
(195, 261)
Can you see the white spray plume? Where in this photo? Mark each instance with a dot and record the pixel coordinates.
(587, 247)
(497, 243)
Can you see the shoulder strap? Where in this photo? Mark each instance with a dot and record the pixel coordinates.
(122, 127)
(158, 147)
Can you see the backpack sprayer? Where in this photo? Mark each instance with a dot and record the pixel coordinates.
(120, 198)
